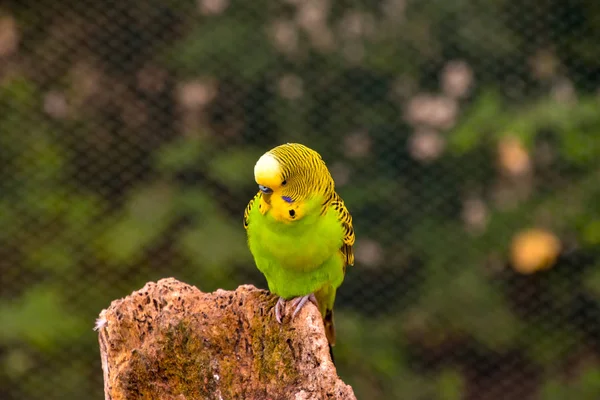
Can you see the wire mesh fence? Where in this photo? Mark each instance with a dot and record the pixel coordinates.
(463, 137)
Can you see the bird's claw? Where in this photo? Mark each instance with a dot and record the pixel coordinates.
(278, 309)
(297, 303)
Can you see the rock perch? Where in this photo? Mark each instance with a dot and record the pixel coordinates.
(171, 341)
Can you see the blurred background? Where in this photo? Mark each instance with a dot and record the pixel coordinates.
(464, 137)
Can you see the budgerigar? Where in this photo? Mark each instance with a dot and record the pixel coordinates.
(299, 230)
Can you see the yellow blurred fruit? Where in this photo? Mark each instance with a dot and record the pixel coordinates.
(534, 250)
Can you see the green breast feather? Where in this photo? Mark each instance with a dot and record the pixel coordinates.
(297, 258)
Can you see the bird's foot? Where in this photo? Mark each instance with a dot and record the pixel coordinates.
(297, 303)
(279, 309)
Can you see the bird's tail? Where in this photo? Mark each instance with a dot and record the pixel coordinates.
(330, 331)
(325, 299)
(329, 326)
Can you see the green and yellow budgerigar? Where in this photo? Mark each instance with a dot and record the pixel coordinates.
(299, 230)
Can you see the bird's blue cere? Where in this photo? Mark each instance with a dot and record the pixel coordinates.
(265, 189)
(288, 199)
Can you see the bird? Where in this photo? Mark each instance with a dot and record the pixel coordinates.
(299, 231)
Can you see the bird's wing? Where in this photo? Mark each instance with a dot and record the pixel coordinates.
(249, 207)
(346, 220)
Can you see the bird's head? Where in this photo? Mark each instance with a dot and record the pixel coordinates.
(288, 175)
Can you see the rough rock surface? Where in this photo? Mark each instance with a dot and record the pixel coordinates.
(171, 341)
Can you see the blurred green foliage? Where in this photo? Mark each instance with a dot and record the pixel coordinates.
(128, 135)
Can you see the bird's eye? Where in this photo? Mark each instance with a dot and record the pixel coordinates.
(265, 189)
(284, 182)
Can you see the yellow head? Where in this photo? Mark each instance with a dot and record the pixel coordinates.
(287, 176)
